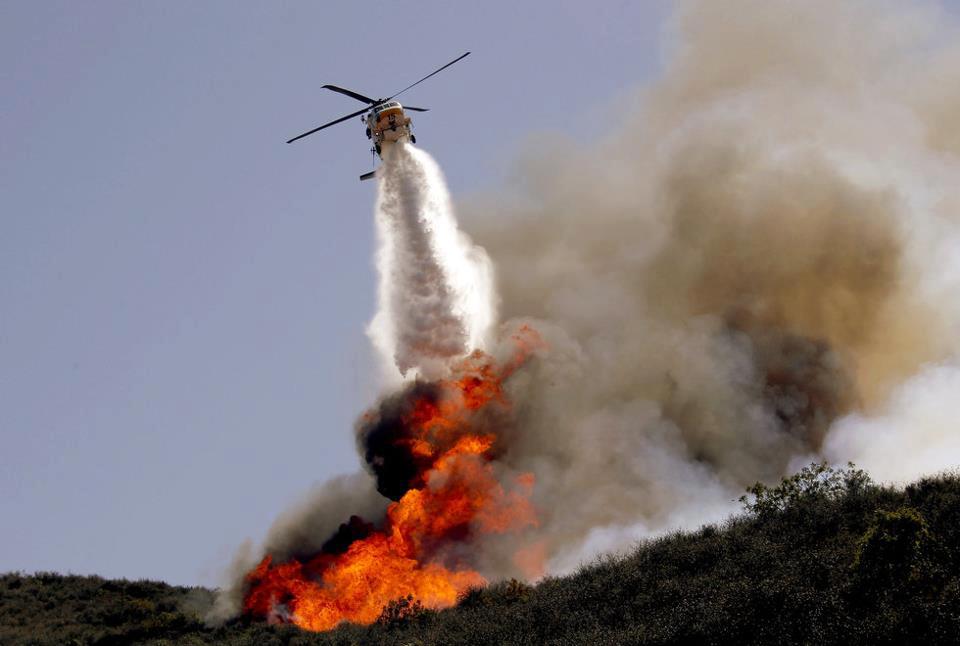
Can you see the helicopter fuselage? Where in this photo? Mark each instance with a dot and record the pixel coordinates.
(387, 124)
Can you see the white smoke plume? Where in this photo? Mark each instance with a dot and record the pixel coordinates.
(759, 267)
(915, 433)
(435, 296)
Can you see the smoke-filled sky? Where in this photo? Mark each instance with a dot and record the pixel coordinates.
(183, 296)
(738, 261)
(760, 268)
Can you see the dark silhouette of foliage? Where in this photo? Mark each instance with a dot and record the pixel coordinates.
(813, 483)
(826, 556)
(895, 548)
(401, 613)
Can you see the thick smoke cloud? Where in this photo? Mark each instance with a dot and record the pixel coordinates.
(384, 437)
(759, 266)
(744, 275)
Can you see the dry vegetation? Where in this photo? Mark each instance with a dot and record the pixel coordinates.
(824, 557)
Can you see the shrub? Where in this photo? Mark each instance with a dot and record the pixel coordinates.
(401, 612)
(895, 549)
(818, 481)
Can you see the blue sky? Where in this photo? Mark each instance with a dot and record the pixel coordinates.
(182, 295)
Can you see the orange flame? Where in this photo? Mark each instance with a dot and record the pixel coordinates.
(456, 497)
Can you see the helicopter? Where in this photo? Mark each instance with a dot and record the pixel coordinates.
(385, 119)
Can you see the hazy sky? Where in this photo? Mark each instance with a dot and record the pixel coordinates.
(182, 295)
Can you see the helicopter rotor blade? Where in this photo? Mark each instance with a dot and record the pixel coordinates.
(410, 107)
(429, 75)
(351, 94)
(327, 125)
(372, 103)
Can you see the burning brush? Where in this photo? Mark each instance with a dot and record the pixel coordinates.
(431, 450)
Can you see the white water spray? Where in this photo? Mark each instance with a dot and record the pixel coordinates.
(436, 287)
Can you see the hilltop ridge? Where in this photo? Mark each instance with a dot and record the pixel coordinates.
(826, 556)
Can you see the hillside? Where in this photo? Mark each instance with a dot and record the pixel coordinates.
(825, 557)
